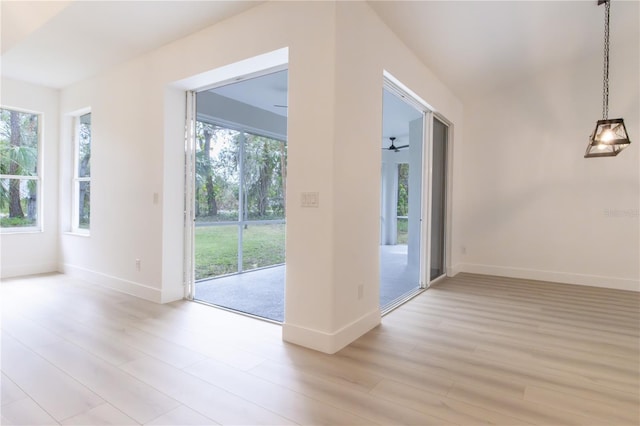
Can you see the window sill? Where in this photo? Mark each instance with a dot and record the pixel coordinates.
(78, 233)
(10, 231)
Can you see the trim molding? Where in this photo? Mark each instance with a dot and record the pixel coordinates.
(124, 286)
(330, 343)
(27, 269)
(552, 276)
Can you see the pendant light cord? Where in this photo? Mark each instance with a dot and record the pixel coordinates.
(605, 83)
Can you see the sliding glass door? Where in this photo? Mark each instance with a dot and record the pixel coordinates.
(413, 197)
(235, 192)
(438, 199)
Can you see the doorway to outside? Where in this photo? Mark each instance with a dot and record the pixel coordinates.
(413, 197)
(239, 195)
(401, 199)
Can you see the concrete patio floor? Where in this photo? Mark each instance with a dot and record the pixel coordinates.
(261, 292)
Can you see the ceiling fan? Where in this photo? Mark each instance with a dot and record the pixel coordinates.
(393, 147)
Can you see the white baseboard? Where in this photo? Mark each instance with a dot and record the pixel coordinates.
(454, 270)
(552, 276)
(27, 269)
(330, 343)
(124, 286)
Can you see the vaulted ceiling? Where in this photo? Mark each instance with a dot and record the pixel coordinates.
(476, 46)
(472, 46)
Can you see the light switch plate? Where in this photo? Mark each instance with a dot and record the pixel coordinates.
(310, 199)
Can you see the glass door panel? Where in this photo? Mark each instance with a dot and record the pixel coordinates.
(438, 198)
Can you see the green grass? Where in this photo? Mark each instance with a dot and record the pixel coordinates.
(403, 231)
(216, 248)
(14, 222)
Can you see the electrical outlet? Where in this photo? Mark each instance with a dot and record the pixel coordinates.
(360, 292)
(138, 264)
(463, 250)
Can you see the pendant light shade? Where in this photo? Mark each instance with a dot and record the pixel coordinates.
(610, 136)
(608, 139)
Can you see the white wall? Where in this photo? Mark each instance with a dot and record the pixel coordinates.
(126, 172)
(35, 252)
(363, 52)
(532, 206)
(334, 129)
(138, 122)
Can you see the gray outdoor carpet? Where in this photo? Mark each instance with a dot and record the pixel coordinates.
(261, 292)
(396, 279)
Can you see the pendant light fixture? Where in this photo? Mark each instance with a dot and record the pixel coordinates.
(610, 135)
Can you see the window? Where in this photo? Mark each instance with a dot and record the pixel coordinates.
(82, 174)
(20, 181)
(402, 209)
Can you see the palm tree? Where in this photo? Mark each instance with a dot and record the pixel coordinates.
(18, 157)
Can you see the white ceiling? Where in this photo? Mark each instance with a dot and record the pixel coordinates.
(476, 46)
(396, 116)
(268, 92)
(56, 43)
(472, 46)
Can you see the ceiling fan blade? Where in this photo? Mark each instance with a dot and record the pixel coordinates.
(393, 146)
(281, 106)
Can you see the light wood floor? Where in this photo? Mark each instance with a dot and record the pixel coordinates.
(473, 350)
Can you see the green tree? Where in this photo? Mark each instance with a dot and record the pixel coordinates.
(18, 157)
(218, 152)
(15, 208)
(216, 170)
(403, 189)
(265, 175)
(84, 170)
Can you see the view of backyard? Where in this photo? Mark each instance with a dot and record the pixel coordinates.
(240, 187)
(217, 248)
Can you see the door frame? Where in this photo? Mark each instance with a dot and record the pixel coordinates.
(190, 163)
(189, 194)
(396, 88)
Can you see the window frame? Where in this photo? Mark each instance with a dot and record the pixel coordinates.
(76, 179)
(38, 227)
